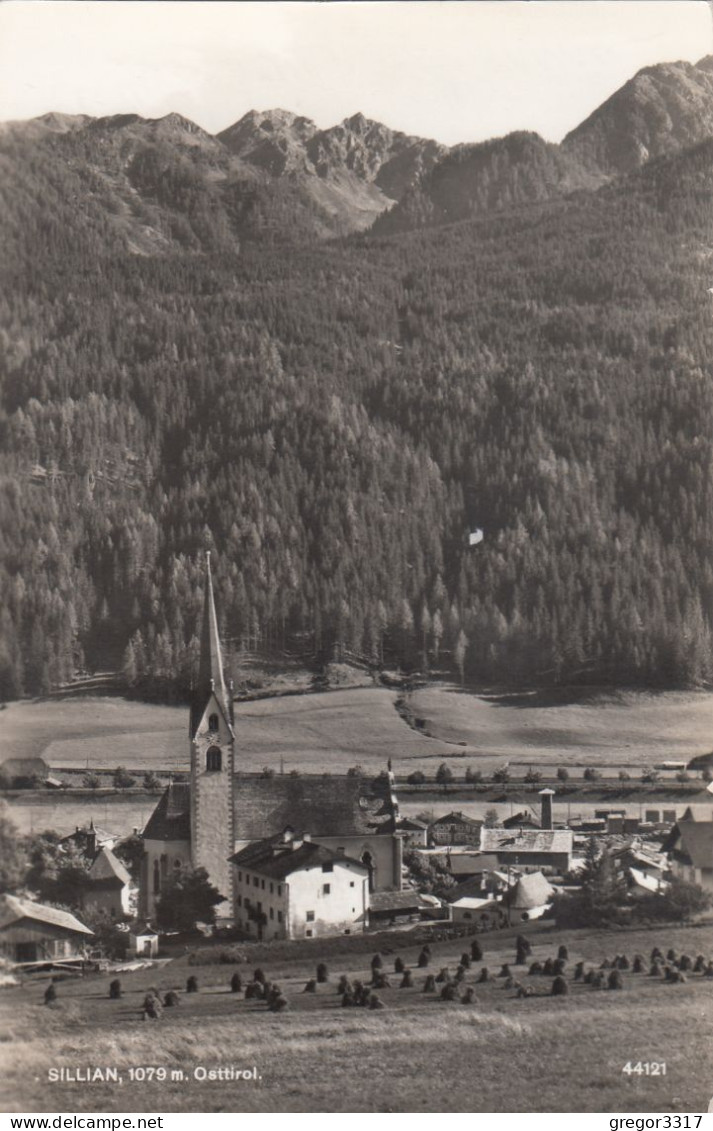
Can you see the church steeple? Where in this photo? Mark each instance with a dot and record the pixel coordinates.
(211, 679)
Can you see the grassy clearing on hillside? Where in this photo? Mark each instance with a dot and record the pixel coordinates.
(323, 731)
(621, 728)
(501, 1054)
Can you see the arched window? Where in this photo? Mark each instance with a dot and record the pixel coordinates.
(213, 723)
(156, 878)
(214, 759)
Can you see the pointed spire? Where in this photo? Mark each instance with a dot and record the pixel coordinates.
(210, 667)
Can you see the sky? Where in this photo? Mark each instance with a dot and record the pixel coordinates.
(453, 70)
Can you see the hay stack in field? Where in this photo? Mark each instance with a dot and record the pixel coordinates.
(406, 981)
(322, 973)
(615, 980)
(192, 984)
(429, 985)
(115, 989)
(468, 996)
(310, 987)
(170, 999)
(236, 983)
(559, 987)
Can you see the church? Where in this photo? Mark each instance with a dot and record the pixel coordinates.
(294, 856)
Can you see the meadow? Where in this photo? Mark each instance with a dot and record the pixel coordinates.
(337, 729)
(419, 1054)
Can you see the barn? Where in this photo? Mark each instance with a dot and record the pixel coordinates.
(32, 932)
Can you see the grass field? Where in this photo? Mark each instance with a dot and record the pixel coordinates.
(624, 728)
(419, 1054)
(323, 731)
(335, 730)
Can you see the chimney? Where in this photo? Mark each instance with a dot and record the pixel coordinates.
(546, 810)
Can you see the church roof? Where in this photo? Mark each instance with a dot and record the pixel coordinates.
(318, 805)
(171, 819)
(210, 665)
(278, 859)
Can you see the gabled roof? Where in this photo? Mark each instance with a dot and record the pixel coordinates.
(529, 891)
(455, 818)
(142, 927)
(278, 859)
(107, 866)
(526, 840)
(525, 820)
(470, 902)
(411, 824)
(467, 864)
(318, 805)
(171, 819)
(693, 840)
(13, 909)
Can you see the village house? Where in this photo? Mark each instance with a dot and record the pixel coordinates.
(31, 932)
(207, 821)
(543, 848)
(110, 887)
(689, 847)
(289, 887)
(454, 828)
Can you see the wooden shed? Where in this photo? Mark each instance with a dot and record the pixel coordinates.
(143, 939)
(33, 932)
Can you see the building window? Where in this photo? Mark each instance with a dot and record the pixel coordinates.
(328, 867)
(240, 901)
(240, 877)
(272, 888)
(213, 722)
(263, 885)
(279, 889)
(256, 882)
(177, 865)
(310, 916)
(272, 912)
(308, 933)
(156, 878)
(351, 883)
(326, 889)
(279, 916)
(214, 759)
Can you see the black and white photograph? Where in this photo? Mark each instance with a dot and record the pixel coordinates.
(356, 558)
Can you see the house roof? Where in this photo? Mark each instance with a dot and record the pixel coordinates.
(470, 864)
(526, 840)
(410, 823)
(107, 866)
(395, 900)
(171, 819)
(321, 806)
(523, 819)
(529, 891)
(278, 859)
(12, 909)
(693, 840)
(455, 818)
(142, 927)
(474, 865)
(470, 902)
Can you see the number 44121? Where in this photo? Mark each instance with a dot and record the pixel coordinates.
(645, 1068)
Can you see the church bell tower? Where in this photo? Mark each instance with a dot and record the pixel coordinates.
(212, 740)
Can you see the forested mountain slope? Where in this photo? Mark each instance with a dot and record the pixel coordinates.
(333, 419)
